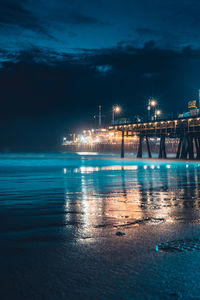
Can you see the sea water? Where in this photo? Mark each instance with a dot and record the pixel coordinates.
(59, 215)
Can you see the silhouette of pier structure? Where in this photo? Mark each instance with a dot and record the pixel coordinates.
(187, 130)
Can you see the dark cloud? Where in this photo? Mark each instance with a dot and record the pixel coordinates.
(104, 68)
(13, 13)
(45, 94)
(162, 37)
(65, 25)
(15, 17)
(81, 19)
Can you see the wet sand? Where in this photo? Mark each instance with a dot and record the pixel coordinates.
(60, 215)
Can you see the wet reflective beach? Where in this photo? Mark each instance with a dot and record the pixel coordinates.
(59, 216)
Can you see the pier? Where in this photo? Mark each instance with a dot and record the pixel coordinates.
(187, 130)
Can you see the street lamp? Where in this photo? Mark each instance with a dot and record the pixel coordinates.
(115, 109)
(157, 113)
(153, 102)
(151, 105)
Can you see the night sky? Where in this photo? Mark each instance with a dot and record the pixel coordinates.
(60, 59)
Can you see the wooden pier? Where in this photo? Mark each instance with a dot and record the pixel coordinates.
(187, 130)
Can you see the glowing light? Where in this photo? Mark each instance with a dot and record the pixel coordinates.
(130, 167)
(83, 139)
(153, 102)
(87, 153)
(117, 109)
(168, 166)
(158, 112)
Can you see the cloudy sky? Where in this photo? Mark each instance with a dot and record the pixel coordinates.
(60, 59)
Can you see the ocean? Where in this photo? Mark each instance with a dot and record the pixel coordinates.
(89, 226)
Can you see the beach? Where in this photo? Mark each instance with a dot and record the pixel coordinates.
(82, 226)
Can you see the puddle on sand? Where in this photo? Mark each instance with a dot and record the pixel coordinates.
(179, 245)
(134, 223)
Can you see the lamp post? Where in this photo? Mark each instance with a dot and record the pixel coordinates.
(149, 111)
(115, 109)
(99, 116)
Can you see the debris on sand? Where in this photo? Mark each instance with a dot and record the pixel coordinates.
(119, 233)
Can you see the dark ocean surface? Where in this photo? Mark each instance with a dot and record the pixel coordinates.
(59, 215)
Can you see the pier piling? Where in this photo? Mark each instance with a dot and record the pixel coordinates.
(162, 151)
(139, 153)
(148, 147)
(122, 145)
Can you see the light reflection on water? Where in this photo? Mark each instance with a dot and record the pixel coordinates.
(59, 219)
(104, 190)
(117, 195)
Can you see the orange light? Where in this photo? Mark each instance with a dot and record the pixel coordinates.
(153, 102)
(117, 109)
(158, 112)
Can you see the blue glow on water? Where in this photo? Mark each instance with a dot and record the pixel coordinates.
(59, 217)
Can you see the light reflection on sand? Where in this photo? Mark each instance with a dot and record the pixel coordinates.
(117, 195)
(59, 218)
